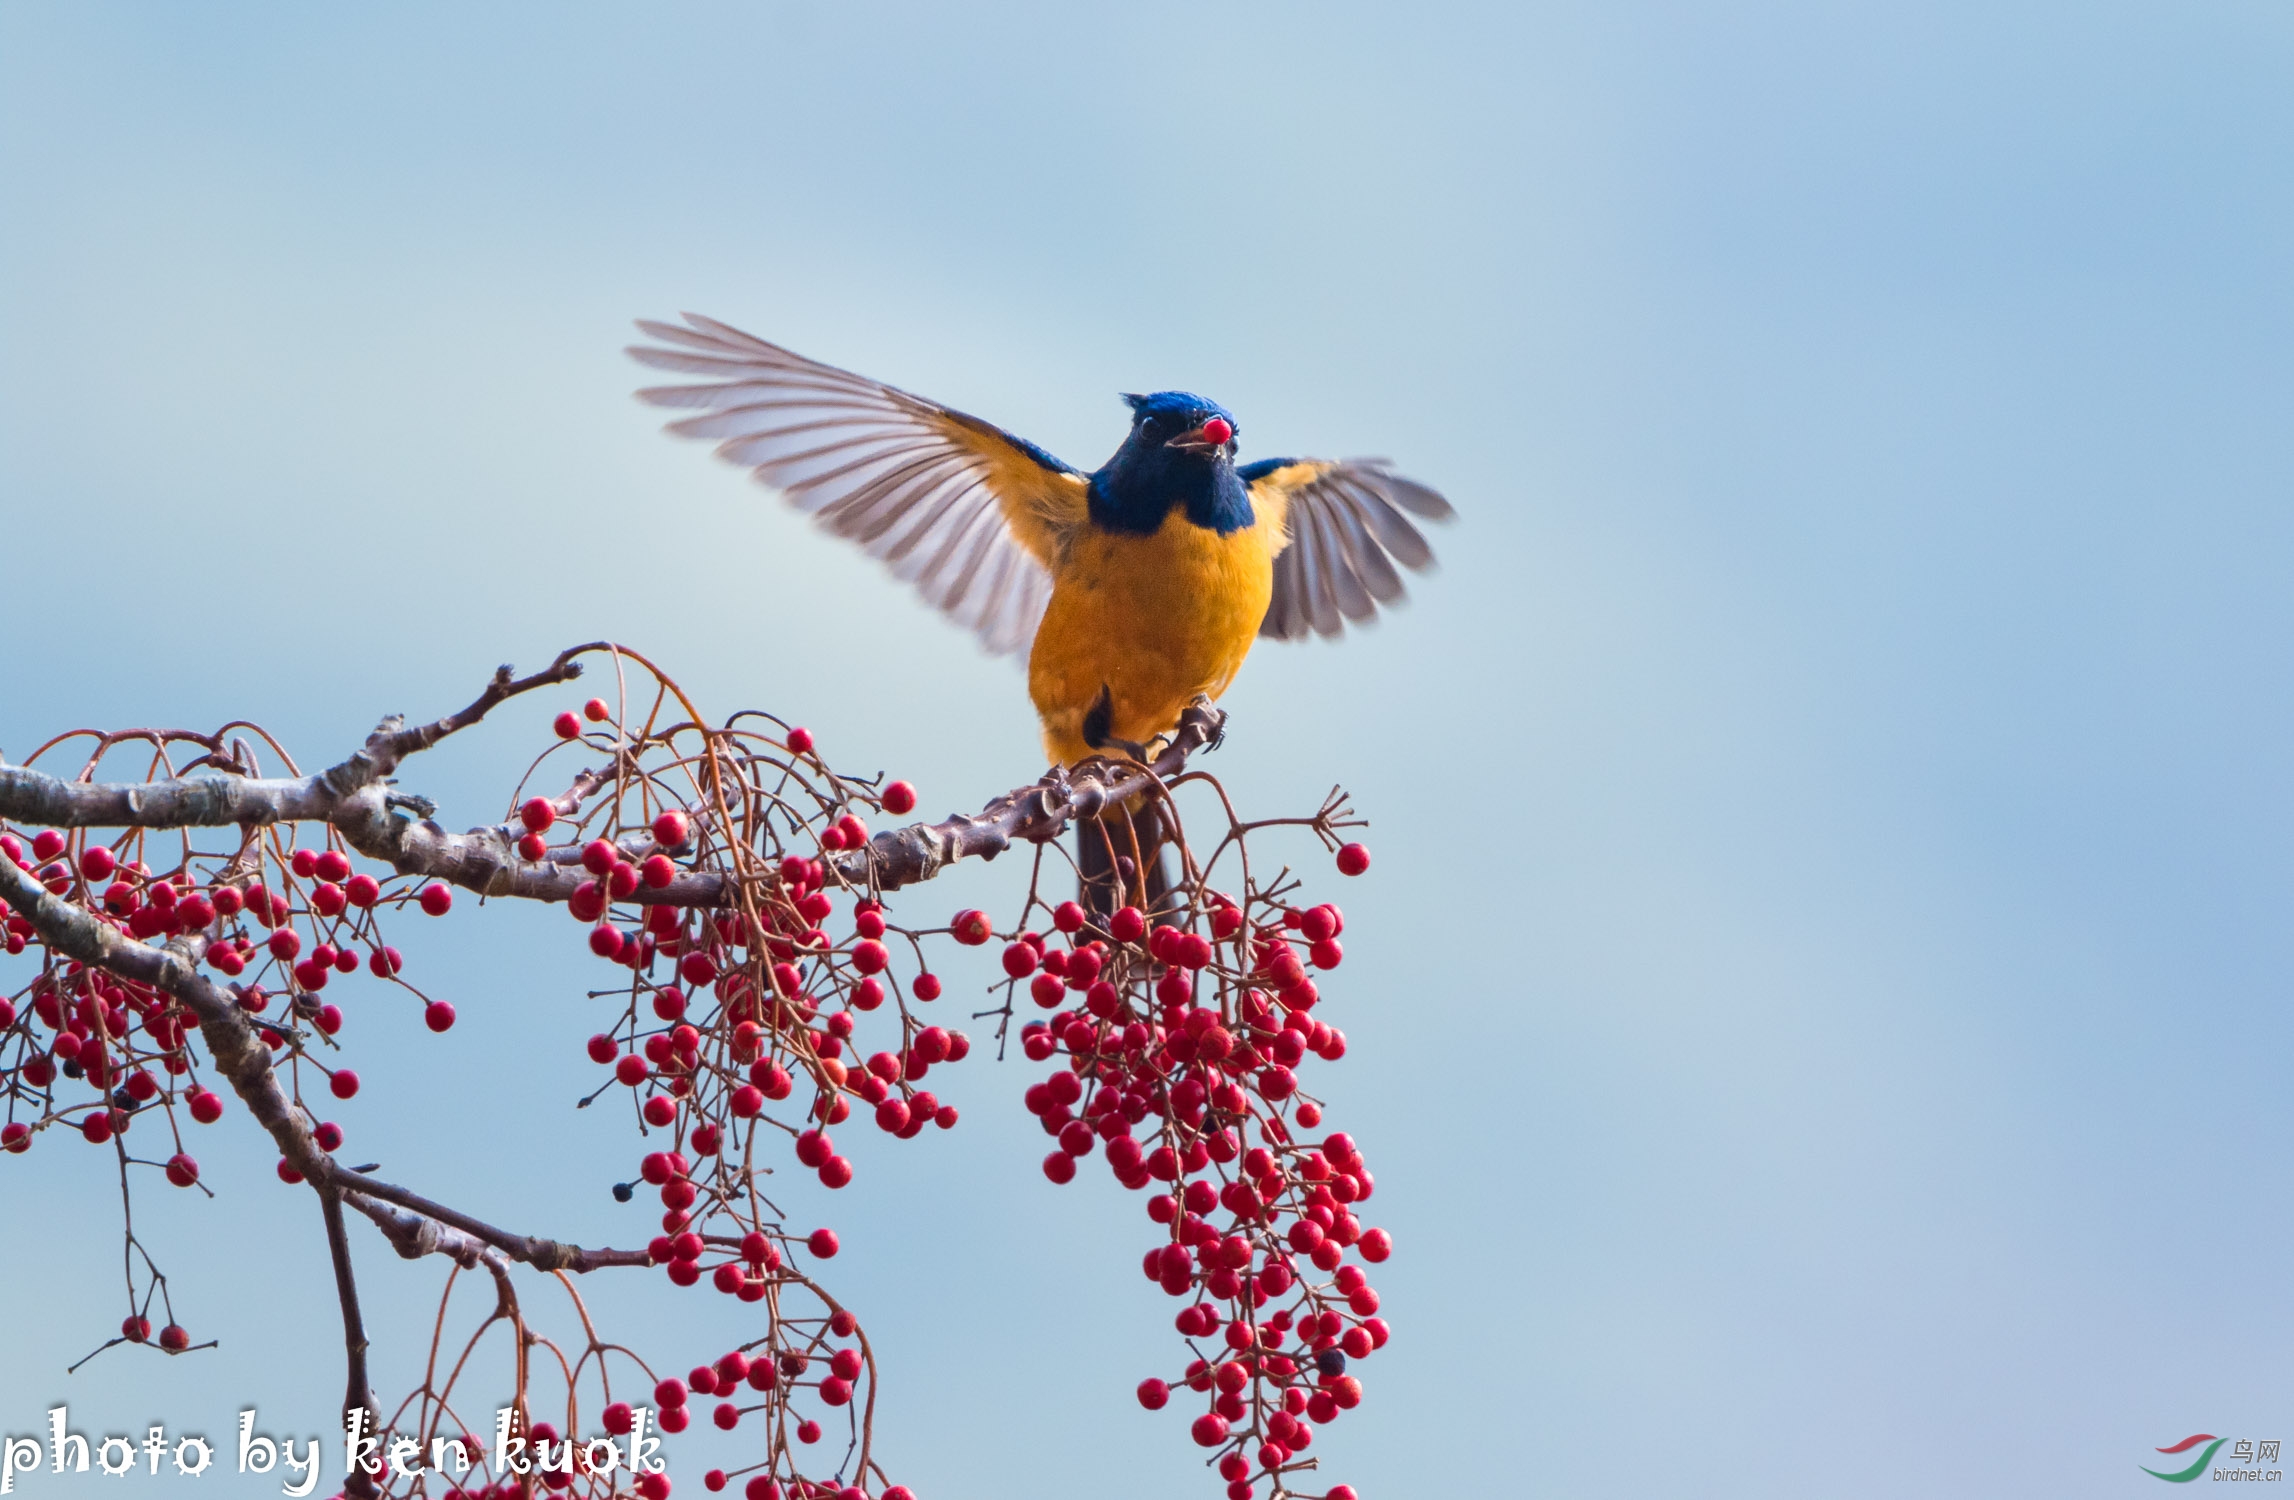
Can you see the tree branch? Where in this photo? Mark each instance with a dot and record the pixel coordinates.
(386, 750)
(415, 1235)
(1036, 814)
(358, 1394)
(353, 797)
(541, 1254)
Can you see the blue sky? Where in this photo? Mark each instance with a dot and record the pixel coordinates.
(1819, 1014)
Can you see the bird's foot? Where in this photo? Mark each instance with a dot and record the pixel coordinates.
(1218, 720)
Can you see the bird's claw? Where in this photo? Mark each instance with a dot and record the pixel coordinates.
(1218, 721)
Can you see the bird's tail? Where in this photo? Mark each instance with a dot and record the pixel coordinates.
(1109, 855)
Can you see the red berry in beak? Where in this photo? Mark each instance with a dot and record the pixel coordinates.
(1216, 432)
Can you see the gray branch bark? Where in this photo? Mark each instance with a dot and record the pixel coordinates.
(354, 798)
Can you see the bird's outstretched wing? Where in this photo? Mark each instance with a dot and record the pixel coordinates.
(970, 514)
(1343, 532)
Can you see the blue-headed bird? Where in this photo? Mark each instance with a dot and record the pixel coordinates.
(1135, 588)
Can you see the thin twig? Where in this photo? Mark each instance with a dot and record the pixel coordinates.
(358, 1394)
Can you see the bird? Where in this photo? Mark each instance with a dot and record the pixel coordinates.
(1135, 588)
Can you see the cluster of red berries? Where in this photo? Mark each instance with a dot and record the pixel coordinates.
(109, 1032)
(728, 1012)
(95, 1053)
(1179, 1042)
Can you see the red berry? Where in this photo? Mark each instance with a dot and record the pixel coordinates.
(1210, 1430)
(595, 711)
(800, 741)
(343, 1084)
(1059, 1167)
(436, 898)
(98, 863)
(438, 1015)
(1020, 960)
(537, 813)
(926, 987)
(822, 1243)
(1128, 925)
(206, 1107)
(174, 1339)
(532, 847)
(1353, 859)
(1217, 431)
(182, 1170)
(135, 1329)
(897, 798)
(1153, 1394)
(568, 726)
(972, 928)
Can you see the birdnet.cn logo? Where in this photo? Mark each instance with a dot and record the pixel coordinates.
(2248, 1460)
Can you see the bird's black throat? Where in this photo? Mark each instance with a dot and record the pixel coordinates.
(1145, 481)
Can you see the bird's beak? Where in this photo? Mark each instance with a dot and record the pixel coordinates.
(1212, 434)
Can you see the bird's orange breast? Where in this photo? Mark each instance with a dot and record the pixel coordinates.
(1154, 620)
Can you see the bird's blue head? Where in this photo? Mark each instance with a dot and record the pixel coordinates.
(1180, 454)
